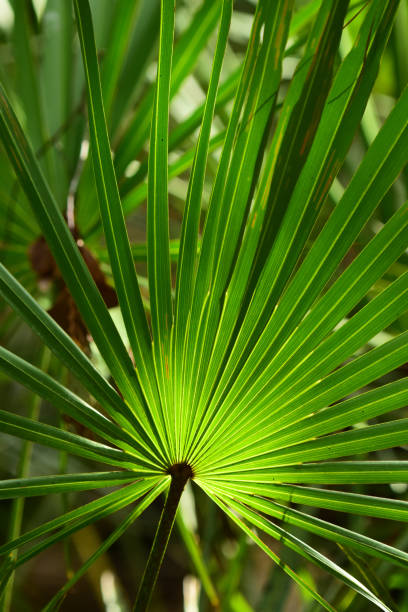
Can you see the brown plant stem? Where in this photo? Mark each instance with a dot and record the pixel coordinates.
(180, 474)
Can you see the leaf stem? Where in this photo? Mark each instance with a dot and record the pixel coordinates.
(180, 473)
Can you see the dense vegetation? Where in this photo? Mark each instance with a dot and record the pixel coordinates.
(204, 318)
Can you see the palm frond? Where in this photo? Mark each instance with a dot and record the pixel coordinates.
(264, 351)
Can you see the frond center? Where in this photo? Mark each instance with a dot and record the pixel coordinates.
(181, 471)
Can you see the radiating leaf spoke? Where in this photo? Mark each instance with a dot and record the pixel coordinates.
(303, 549)
(54, 437)
(67, 256)
(133, 515)
(121, 259)
(158, 256)
(44, 485)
